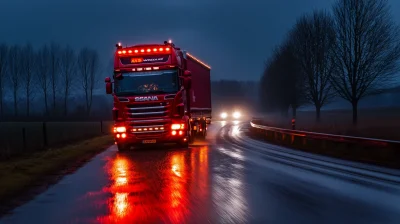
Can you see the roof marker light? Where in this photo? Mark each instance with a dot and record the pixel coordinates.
(142, 50)
(149, 68)
(136, 51)
(124, 52)
(155, 49)
(156, 68)
(161, 49)
(130, 51)
(148, 50)
(119, 52)
(194, 58)
(167, 49)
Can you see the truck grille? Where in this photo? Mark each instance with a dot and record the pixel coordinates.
(147, 110)
(148, 120)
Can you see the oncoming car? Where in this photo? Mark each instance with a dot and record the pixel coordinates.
(233, 115)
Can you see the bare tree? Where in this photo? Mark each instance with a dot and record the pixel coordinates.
(28, 59)
(294, 78)
(274, 85)
(43, 73)
(14, 63)
(3, 72)
(88, 66)
(54, 71)
(313, 38)
(367, 49)
(68, 68)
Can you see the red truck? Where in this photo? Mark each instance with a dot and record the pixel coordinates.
(151, 86)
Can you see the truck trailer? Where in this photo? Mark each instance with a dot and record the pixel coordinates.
(161, 94)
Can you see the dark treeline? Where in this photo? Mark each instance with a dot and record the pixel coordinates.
(52, 82)
(350, 53)
(58, 83)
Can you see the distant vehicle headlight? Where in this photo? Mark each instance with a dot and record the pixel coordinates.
(236, 115)
(224, 115)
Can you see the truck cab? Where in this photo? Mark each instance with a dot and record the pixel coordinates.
(151, 88)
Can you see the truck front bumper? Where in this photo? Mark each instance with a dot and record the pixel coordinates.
(137, 139)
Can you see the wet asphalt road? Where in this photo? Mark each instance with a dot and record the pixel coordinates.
(228, 179)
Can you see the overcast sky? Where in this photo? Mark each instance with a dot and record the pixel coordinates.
(234, 37)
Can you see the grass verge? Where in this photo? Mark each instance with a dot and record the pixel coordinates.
(18, 175)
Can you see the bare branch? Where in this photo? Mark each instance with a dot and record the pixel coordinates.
(88, 66)
(14, 68)
(3, 73)
(68, 68)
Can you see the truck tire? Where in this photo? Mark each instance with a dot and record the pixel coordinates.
(203, 132)
(123, 147)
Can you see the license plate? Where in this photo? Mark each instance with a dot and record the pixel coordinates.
(149, 141)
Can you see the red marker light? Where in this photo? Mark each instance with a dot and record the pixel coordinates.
(161, 49)
(136, 51)
(167, 49)
(119, 52)
(129, 51)
(142, 50)
(148, 50)
(124, 52)
(155, 49)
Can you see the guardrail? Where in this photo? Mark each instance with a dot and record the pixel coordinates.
(329, 137)
(370, 150)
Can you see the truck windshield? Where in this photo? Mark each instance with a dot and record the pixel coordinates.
(139, 83)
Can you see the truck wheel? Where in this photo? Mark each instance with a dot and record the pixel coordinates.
(203, 132)
(123, 147)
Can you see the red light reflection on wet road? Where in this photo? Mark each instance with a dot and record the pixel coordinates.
(159, 189)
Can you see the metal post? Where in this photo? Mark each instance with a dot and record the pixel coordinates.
(293, 124)
(24, 138)
(44, 132)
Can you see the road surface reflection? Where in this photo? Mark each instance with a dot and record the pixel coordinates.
(159, 189)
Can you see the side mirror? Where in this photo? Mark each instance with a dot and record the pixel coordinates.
(187, 73)
(108, 85)
(187, 80)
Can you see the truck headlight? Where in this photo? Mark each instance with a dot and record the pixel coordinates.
(236, 115)
(224, 115)
(120, 129)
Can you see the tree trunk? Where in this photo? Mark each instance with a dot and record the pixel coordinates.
(65, 102)
(54, 99)
(355, 112)
(15, 103)
(45, 103)
(318, 113)
(27, 102)
(1, 102)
